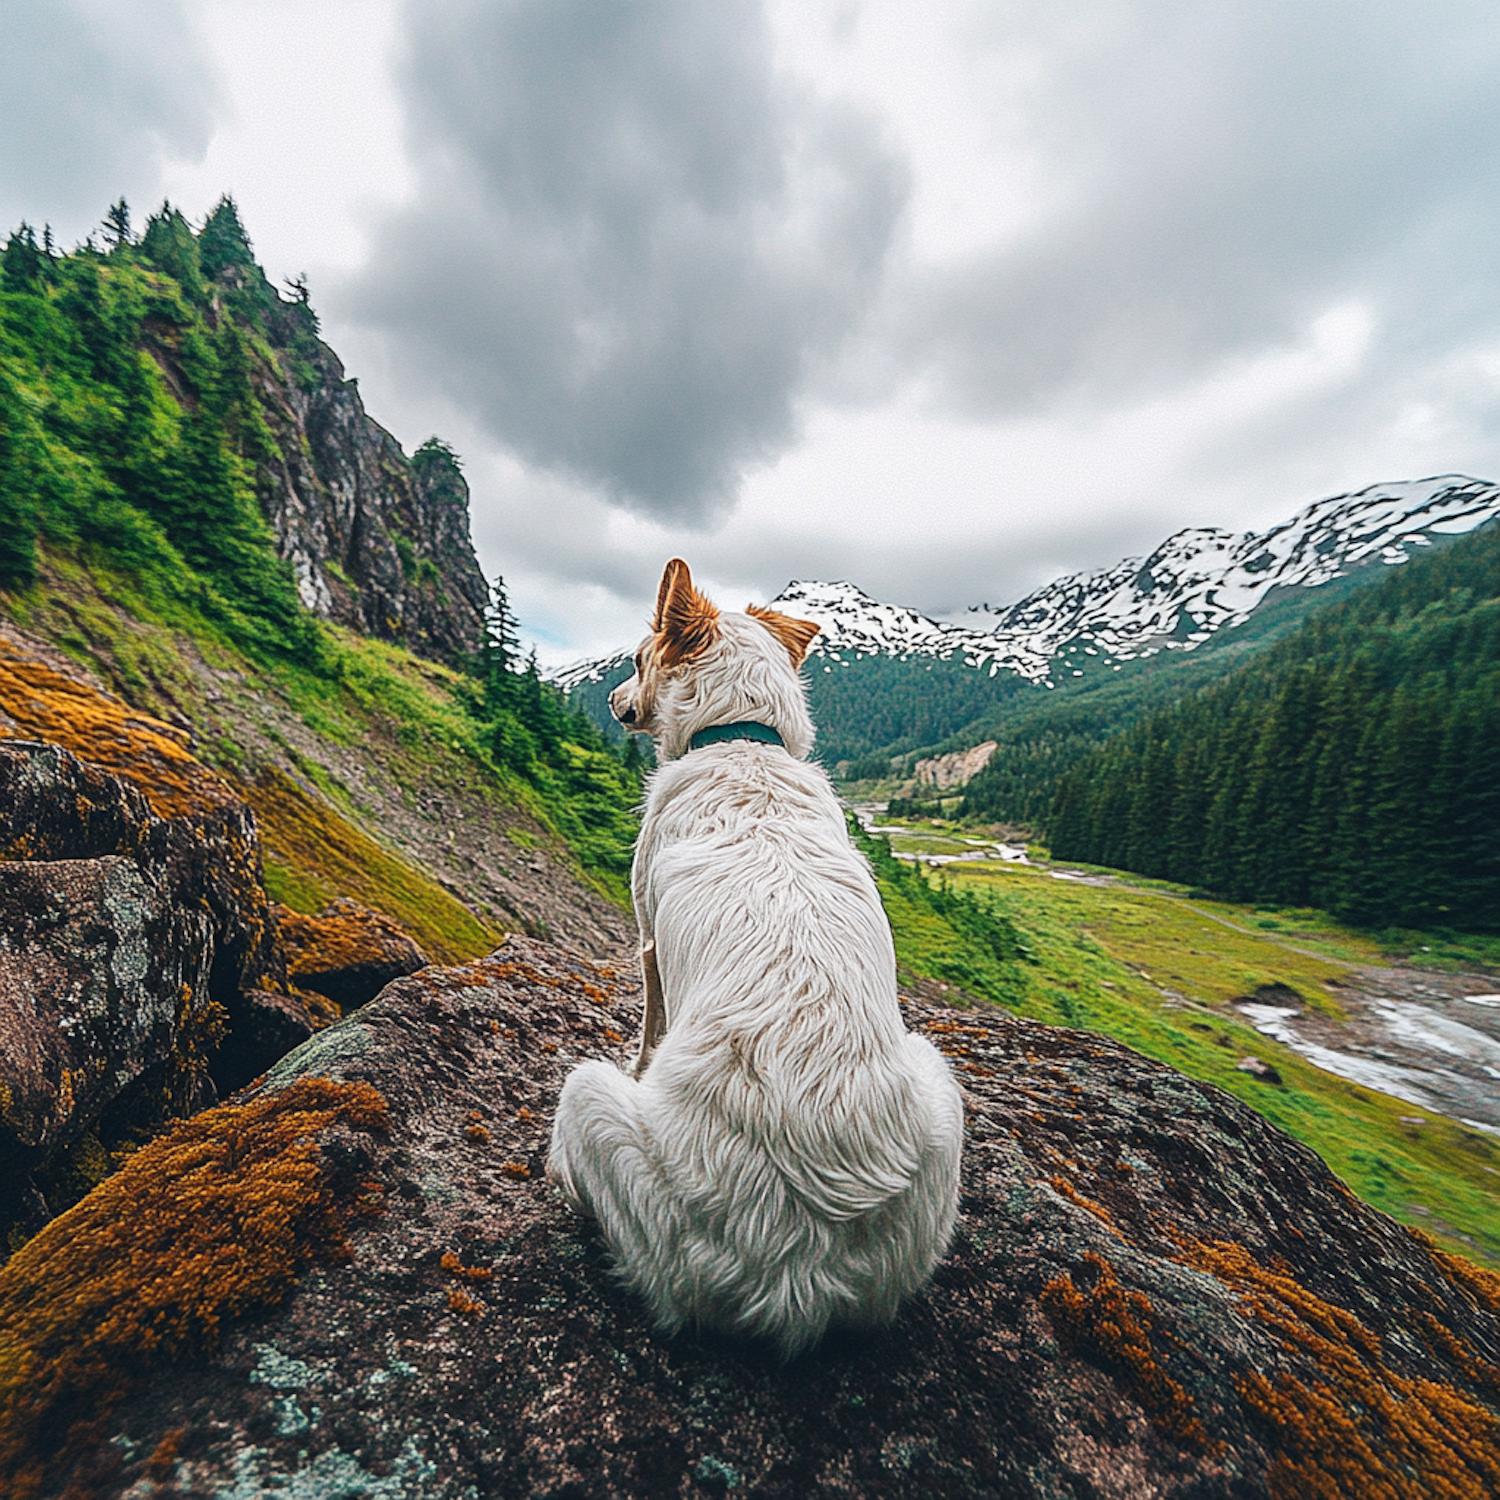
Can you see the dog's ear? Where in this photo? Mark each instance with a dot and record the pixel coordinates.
(795, 635)
(686, 623)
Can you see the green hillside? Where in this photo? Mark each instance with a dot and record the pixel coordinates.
(1161, 970)
(137, 388)
(1355, 766)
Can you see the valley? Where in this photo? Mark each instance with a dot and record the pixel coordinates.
(313, 891)
(1370, 1067)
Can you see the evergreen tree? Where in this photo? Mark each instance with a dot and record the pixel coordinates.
(1355, 766)
(117, 224)
(223, 243)
(170, 245)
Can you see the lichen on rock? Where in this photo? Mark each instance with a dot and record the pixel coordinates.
(1199, 1309)
(214, 1219)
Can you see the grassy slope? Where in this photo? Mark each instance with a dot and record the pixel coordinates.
(1144, 964)
(320, 842)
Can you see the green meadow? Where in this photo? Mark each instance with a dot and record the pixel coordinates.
(1154, 967)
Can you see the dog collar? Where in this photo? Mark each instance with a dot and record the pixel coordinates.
(745, 729)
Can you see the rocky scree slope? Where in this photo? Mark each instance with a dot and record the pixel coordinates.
(1198, 582)
(1151, 1292)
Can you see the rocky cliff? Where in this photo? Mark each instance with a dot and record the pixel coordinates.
(1151, 1292)
(378, 541)
(945, 773)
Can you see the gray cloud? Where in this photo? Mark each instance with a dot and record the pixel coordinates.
(1220, 173)
(633, 242)
(95, 96)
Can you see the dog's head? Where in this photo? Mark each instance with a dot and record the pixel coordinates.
(700, 667)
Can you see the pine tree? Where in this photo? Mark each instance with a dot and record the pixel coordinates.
(117, 224)
(223, 243)
(499, 649)
(171, 246)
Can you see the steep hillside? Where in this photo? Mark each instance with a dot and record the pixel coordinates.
(165, 412)
(1356, 766)
(225, 591)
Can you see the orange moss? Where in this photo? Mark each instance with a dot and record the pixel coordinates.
(333, 856)
(44, 704)
(1479, 1285)
(344, 935)
(1362, 1428)
(1068, 1191)
(517, 1169)
(455, 1267)
(1114, 1325)
(159, 1465)
(216, 1217)
(460, 1301)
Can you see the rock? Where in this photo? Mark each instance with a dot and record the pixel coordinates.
(1258, 1068)
(347, 952)
(946, 772)
(262, 1027)
(1152, 1292)
(126, 939)
(378, 541)
(98, 967)
(209, 848)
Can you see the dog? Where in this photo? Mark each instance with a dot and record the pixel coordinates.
(785, 1156)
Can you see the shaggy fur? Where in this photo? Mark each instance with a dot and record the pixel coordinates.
(786, 1156)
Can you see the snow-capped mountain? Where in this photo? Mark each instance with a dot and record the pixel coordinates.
(1197, 582)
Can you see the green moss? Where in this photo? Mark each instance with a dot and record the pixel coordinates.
(316, 854)
(293, 888)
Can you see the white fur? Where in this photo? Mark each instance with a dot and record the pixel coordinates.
(790, 1158)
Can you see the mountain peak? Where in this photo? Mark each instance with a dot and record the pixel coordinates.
(1200, 580)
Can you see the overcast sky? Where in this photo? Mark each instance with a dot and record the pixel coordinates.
(943, 299)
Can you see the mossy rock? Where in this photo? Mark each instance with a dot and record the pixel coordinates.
(1151, 1292)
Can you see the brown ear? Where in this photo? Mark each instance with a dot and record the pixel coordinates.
(795, 635)
(686, 623)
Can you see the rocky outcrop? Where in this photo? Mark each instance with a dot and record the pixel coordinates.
(1151, 1292)
(126, 941)
(347, 952)
(378, 541)
(945, 772)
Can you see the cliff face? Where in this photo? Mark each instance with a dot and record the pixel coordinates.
(1151, 1292)
(378, 541)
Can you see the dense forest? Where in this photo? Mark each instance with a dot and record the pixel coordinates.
(134, 377)
(1355, 766)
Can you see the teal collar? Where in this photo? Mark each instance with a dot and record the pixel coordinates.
(744, 730)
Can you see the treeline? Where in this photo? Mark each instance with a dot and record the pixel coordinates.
(1355, 766)
(132, 374)
(529, 727)
(106, 455)
(869, 710)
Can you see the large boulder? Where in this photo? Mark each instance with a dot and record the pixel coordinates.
(1151, 1292)
(129, 943)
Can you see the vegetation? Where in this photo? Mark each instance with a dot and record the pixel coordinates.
(1355, 766)
(132, 431)
(1159, 971)
(215, 1218)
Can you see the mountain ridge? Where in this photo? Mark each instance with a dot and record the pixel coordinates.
(1199, 581)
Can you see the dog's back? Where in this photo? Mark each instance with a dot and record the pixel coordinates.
(790, 1158)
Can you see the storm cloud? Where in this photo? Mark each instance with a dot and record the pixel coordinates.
(1214, 177)
(96, 96)
(634, 240)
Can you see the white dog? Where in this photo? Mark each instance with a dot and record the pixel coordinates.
(786, 1156)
